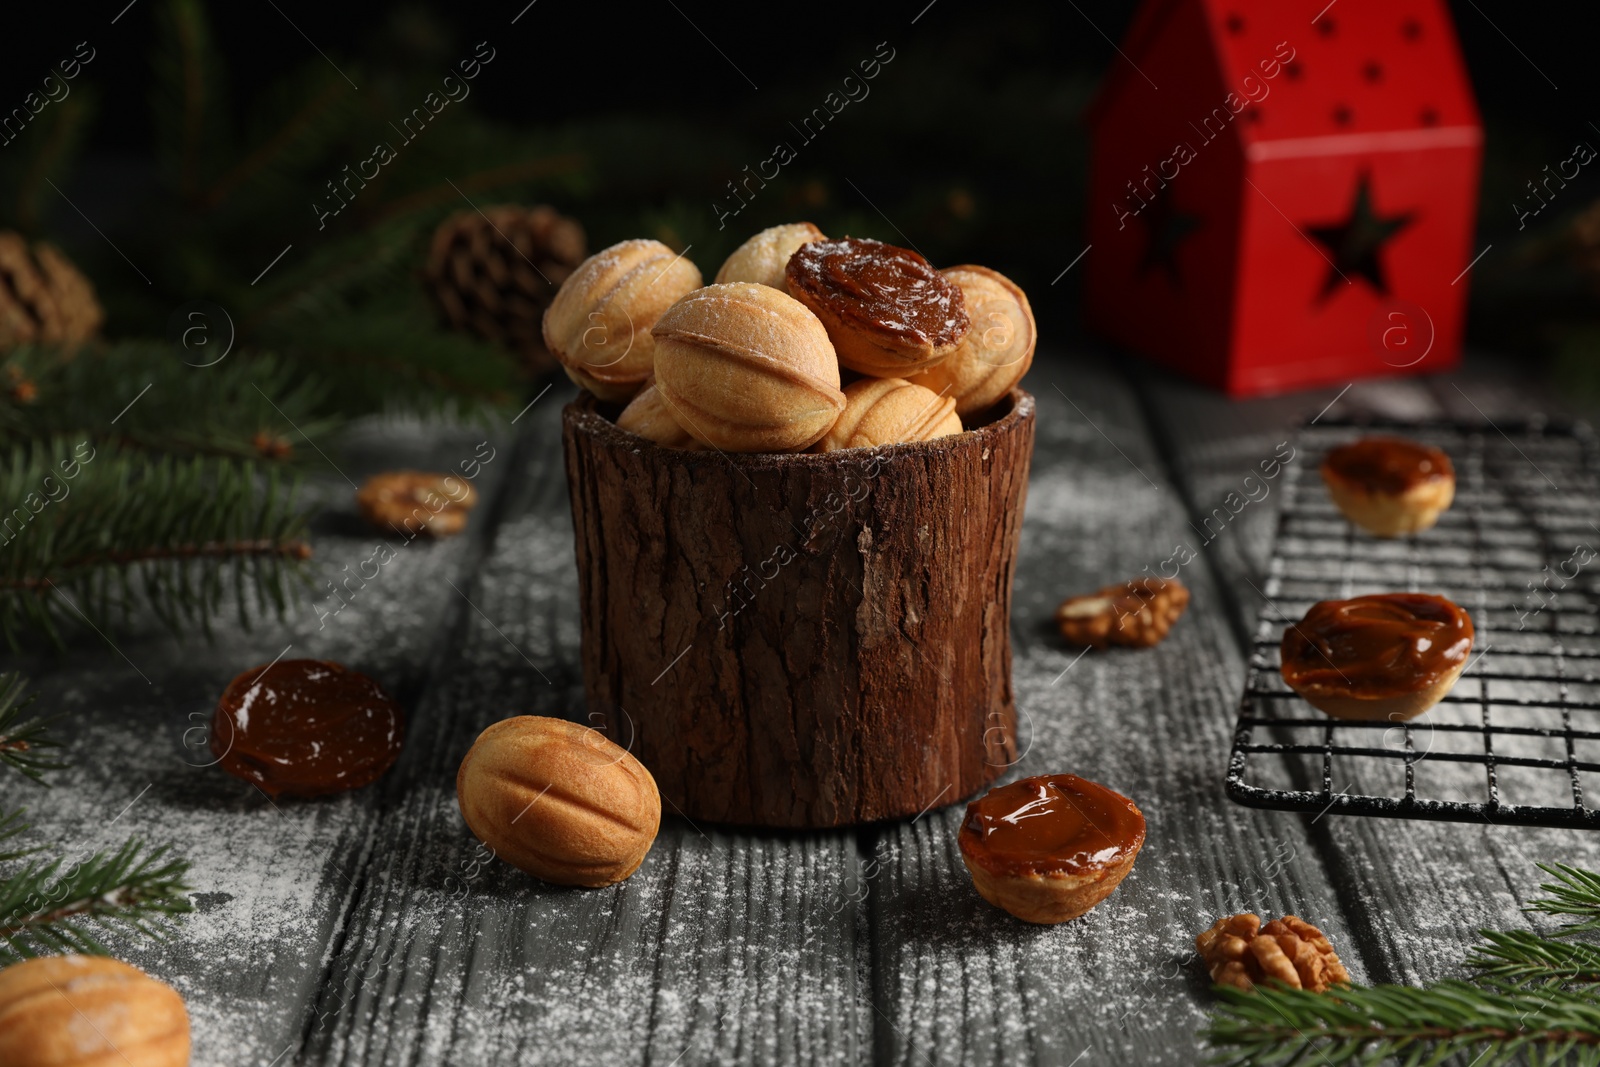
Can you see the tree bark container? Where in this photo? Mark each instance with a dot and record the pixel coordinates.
(802, 640)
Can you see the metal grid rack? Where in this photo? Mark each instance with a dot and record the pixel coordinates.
(1518, 738)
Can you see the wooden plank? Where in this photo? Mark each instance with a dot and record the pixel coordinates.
(1415, 893)
(363, 929)
(723, 947)
(273, 883)
(958, 981)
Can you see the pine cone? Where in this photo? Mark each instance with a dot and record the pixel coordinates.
(44, 299)
(1137, 613)
(493, 273)
(1240, 952)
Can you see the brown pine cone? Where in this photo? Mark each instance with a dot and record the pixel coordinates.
(493, 273)
(1240, 952)
(1138, 613)
(44, 299)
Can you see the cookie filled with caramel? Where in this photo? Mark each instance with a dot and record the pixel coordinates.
(1388, 656)
(1390, 486)
(305, 728)
(887, 311)
(1050, 847)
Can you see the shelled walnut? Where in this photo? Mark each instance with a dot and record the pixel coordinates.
(1240, 952)
(417, 501)
(1137, 613)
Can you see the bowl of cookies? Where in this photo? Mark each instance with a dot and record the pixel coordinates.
(797, 493)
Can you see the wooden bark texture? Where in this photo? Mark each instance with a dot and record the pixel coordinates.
(802, 640)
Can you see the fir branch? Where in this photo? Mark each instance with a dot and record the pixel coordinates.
(451, 192)
(57, 147)
(1574, 892)
(45, 908)
(14, 824)
(24, 746)
(174, 536)
(316, 114)
(187, 87)
(336, 276)
(387, 357)
(1525, 958)
(1274, 1026)
(245, 406)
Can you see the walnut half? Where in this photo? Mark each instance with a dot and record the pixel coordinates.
(1240, 952)
(1138, 613)
(417, 501)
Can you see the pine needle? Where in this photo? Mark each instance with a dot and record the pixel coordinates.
(1533, 1001)
(24, 746)
(169, 399)
(1526, 958)
(1360, 1025)
(46, 908)
(127, 531)
(1574, 892)
(14, 824)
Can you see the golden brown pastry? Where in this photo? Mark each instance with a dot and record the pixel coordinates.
(78, 1011)
(888, 312)
(559, 800)
(1051, 847)
(1390, 656)
(599, 323)
(746, 368)
(647, 416)
(996, 352)
(1389, 486)
(763, 258)
(886, 411)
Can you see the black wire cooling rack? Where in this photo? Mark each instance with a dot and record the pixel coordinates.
(1518, 739)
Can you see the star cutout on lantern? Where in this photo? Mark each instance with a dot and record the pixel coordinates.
(1168, 227)
(1354, 244)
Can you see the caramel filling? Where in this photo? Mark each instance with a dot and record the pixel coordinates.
(882, 288)
(1387, 464)
(1051, 823)
(306, 727)
(1374, 647)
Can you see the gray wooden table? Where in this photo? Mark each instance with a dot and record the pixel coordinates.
(364, 929)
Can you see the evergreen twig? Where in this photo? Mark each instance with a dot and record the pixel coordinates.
(164, 398)
(1526, 958)
(1369, 1025)
(24, 745)
(1532, 1001)
(14, 824)
(47, 908)
(387, 359)
(308, 120)
(1574, 892)
(176, 536)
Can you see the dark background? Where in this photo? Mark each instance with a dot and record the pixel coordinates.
(971, 144)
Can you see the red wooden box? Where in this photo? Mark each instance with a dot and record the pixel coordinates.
(1282, 193)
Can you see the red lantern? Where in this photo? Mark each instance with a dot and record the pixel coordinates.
(1282, 196)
